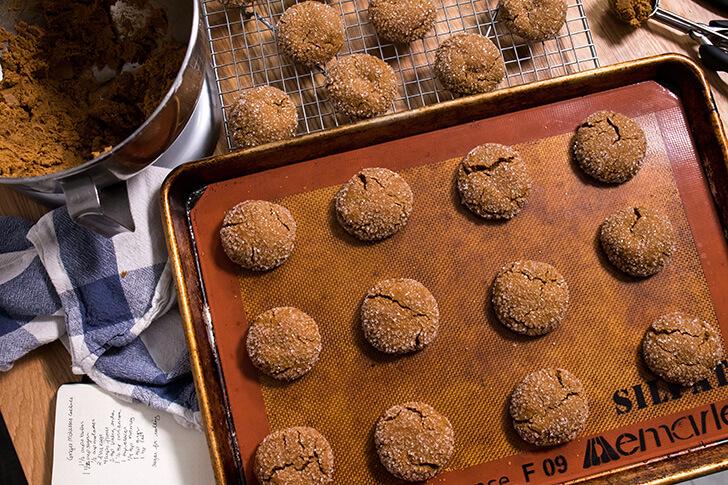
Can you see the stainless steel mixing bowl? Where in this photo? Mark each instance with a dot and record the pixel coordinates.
(92, 191)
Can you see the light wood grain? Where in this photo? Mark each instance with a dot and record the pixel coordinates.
(27, 392)
(27, 399)
(616, 41)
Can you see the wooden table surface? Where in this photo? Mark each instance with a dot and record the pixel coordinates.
(27, 392)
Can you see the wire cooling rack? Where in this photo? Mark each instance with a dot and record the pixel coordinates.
(245, 54)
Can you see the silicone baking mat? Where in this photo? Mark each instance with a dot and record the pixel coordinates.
(468, 372)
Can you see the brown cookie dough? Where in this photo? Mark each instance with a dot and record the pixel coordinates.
(296, 456)
(549, 407)
(533, 20)
(469, 64)
(402, 21)
(374, 204)
(310, 32)
(682, 349)
(258, 235)
(399, 316)
(360, 85)
(283, 343)
(262, 115)
(634, 12)
(493, 181)
(637, 240)
(530, 297)
(610, 147)
(414, 442)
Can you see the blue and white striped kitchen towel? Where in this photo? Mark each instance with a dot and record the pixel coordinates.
(111, 301)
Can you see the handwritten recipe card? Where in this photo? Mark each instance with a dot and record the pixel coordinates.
(101, 438)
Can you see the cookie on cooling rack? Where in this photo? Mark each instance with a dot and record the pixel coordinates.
(360, 85)
(402, 21)
(310, 32)
(262, 115)
(533, 20)
(469, 64)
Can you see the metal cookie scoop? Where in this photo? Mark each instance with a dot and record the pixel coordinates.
(713, 38)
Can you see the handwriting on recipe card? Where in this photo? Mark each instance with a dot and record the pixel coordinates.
(100, 437)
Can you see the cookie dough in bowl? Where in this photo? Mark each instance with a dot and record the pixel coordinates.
(682, 349)
(374, 204)
(530, 297)
(399, 316)
(298, 455)
(283, 343)
(493, 181)
(414, 442)
(549, 407)
(258, 235)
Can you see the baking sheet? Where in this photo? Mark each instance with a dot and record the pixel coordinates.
(468, 372)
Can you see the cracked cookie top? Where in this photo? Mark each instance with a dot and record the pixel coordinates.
(374, 204)
(469, 64)
(493, 181)
(262, 115)
(360, 85)
(637, 240)
(414, 442)
(610, 147)
(310, 32)
(402, 21)
(533, 20)
(399, 316)
(530, 297)
(682, 349)
(258, 235)
(549, 407)
(284, 343)
(295, 456)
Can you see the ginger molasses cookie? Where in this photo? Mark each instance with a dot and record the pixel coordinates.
(298, 455)
(399, 316)
(493, 181)
(310, 32)
(469, 64)
(530, 297)
(360, 85)
(258, 235)
(414, 442)
(236, 3)
(637, 240)
(402, 21)
(262, 115)
(533, 20)
(634, 12)
(284, 343)
(374, 204)
(549, 407)
(610, 147)
(682, 349)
